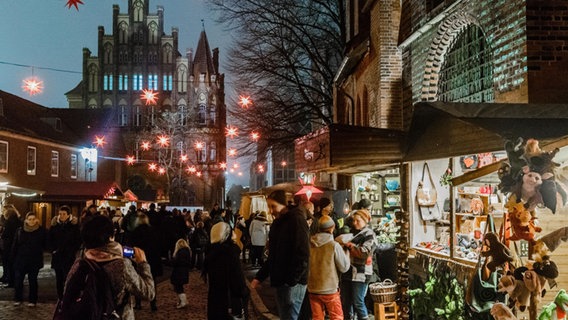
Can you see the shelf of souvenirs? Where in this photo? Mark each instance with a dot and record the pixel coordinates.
(434, 247)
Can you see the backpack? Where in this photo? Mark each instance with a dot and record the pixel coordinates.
(88, 295)
(202, 238)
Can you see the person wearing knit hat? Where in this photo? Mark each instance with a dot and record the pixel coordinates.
(327, 261)
(28, 248)
(354, 282)
(223, 273)
(288, 255)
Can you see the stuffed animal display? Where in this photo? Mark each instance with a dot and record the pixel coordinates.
(530, 175)
(557, 309)
(516, 289)
(497, 251)
(522, 221)
(500, 311)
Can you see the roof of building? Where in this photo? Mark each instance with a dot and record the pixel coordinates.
(203, 62)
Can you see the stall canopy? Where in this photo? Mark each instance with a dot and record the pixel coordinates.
(444, 129)
(82, 191)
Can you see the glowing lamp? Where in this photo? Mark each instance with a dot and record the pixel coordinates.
(130, 160)
(255, 136)
(150, 96)
(198, 145)
(183, 158)
(231, 132)
(232, 152)
(244, 101)
(163, 140)
(152, 167)
(100, 141)
(32, 86)
(223, 165)
(145, 145)
(161, 170)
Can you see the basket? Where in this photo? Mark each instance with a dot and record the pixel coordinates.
(383, 292)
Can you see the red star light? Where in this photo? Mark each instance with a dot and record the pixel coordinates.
(260, 168)
(191, 169)
(231, 132)
(255, 136)
(152, 167)
(145, 145)
(232, 152)
(32, 86)
(75, 3)
(100, 141)
(198, 173)
(183, 158)
(161, 170)
(163, 140)
(198, 145)
(223, 165)
(150, 96)
(245, 101)
(130, 160)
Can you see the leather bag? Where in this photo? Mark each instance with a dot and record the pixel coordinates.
(426, 196)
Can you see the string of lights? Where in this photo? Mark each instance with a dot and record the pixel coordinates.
(38, 67)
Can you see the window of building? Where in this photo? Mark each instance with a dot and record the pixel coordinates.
(123, 116)
(123, 33)
(137, 83)
(55, 163)
(122, 82)
(3, 156)
(153, 34)
(213, 152)
(182, 79)
(137, 115)
(212, 114)
(107, 82)
(152, 116)
(201, 118)
(31, 165)
(74, 166)
(167, 54)
(108, 54)
(168, 82)
(153, 81)
(93, 78)
(138, 11)
(182, 110)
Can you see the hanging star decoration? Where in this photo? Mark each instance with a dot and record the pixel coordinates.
(150, 96)
(75, 3)
(32, 86)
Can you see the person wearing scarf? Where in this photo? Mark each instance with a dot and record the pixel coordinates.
(354, 283)
(27, 250)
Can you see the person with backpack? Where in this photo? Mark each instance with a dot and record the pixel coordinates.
(198, 243)
(101, 284)
(27, 250)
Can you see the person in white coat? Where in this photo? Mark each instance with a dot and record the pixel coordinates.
(327, 260)
(258, 235)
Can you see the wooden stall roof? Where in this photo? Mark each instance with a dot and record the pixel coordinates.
(444, 129)
(82, 190)
(348, 149)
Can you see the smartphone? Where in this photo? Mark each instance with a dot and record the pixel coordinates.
(127, 252)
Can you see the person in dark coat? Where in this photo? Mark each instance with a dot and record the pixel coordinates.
(223, 272)
(27, 250)
(288, 255)
(11, 224)
(144, 237)
(180, 271)
(198, 242)
(64, 243)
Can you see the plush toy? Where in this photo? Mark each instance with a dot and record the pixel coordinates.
(528, 190)
(522, 222)
(556, 310)
(500, 311)
(515, 152)
(542, 162)
(535, 283)
(516, 289)
(497, 251)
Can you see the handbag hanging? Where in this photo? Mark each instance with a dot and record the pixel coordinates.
(482, 291)
(426, 197)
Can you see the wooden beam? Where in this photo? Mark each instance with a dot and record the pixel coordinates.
(478, 173)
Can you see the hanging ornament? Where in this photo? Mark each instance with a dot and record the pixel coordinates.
(32, 86)
(245, 101)
(231, 132)
(150, 96)
(99, 141)
(74, 3)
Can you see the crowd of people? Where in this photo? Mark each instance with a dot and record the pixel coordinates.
(318, 261)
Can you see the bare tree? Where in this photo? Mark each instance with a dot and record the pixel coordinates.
(285, 56)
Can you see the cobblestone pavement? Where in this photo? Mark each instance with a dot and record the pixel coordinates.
(167, 299)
